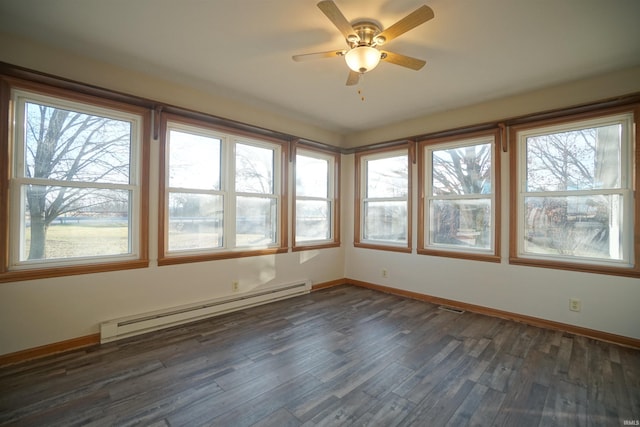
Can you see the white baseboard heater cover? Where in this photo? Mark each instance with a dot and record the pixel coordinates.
(129, 326)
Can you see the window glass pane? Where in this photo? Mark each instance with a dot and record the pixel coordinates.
(385, 221)
(195, 221)
(95, 222)
(312, 177)
(256, 221)
(254, 169)
(583, 226)
(73, 146)
(312, 220)
(464, 170)
(194, 161)
(463, 223)
(388, 177)
(582, 159)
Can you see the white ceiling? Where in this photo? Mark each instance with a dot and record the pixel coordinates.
(476, 50)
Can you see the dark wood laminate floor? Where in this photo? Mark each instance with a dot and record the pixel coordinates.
(341, 356)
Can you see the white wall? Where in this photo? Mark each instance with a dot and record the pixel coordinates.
(25, 53)
(575, 93)
(609, 303)
(39, 312)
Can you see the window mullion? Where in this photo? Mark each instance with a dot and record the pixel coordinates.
(574, 193)
(73, 184)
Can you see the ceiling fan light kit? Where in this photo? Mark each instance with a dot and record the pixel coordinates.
(362, 58)
(363, 39)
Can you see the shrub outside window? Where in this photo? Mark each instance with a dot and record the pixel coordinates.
(458, 212)
(575, 202)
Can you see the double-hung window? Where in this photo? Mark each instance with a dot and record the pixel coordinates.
(77, 184)
(383, 199)
(195, 196)
(222, 193)
(574, 206)
(459, 181)
(316, 211)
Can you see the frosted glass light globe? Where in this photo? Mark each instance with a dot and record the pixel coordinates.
(362, 59)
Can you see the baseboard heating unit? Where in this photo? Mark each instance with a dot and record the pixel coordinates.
(129, 326)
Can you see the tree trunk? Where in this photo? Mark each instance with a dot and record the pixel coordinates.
(38, 236)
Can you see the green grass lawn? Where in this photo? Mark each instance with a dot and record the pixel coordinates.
(78, 240)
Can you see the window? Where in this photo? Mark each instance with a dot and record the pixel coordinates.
(195, 198)
(383, 203)
(459, 178)
(223, 194)
(76, 185)
(574, 202)
(315, 218)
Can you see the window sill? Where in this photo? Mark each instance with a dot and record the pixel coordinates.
(310, 247)
(381, 247)
(184, 259)
(45, 273)
(474, 256)
(584, 268)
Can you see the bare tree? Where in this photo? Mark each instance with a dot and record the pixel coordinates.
(562, 161)
(580, 160)
(67, 148)
(462, 171)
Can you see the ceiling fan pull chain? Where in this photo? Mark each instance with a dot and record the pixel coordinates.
(361, 87)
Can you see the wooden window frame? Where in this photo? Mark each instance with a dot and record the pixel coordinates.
(409, 146)
(634, 178)
(424, 168)
(68, 267)
(334, 197)
(166, 258)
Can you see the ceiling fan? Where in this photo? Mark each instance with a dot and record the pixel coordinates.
(364, 39)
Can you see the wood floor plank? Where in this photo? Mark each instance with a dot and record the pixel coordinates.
(388, 412)
(344, 411)
(280, 418)
(468, 407)
(488, 408)
(306, 406)
(339, 356)
(525, 400)
(262, 406)
(438, 408)
(383, 382)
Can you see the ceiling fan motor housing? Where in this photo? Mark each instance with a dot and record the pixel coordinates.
(366, 32)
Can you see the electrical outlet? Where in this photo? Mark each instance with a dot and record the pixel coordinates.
(235, 286)
(575, 304)
(384, 273)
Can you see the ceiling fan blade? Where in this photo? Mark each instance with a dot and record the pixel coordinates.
(353, 78)
(412, 20)
(318, 55)
(403, 60)
(329, 8)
